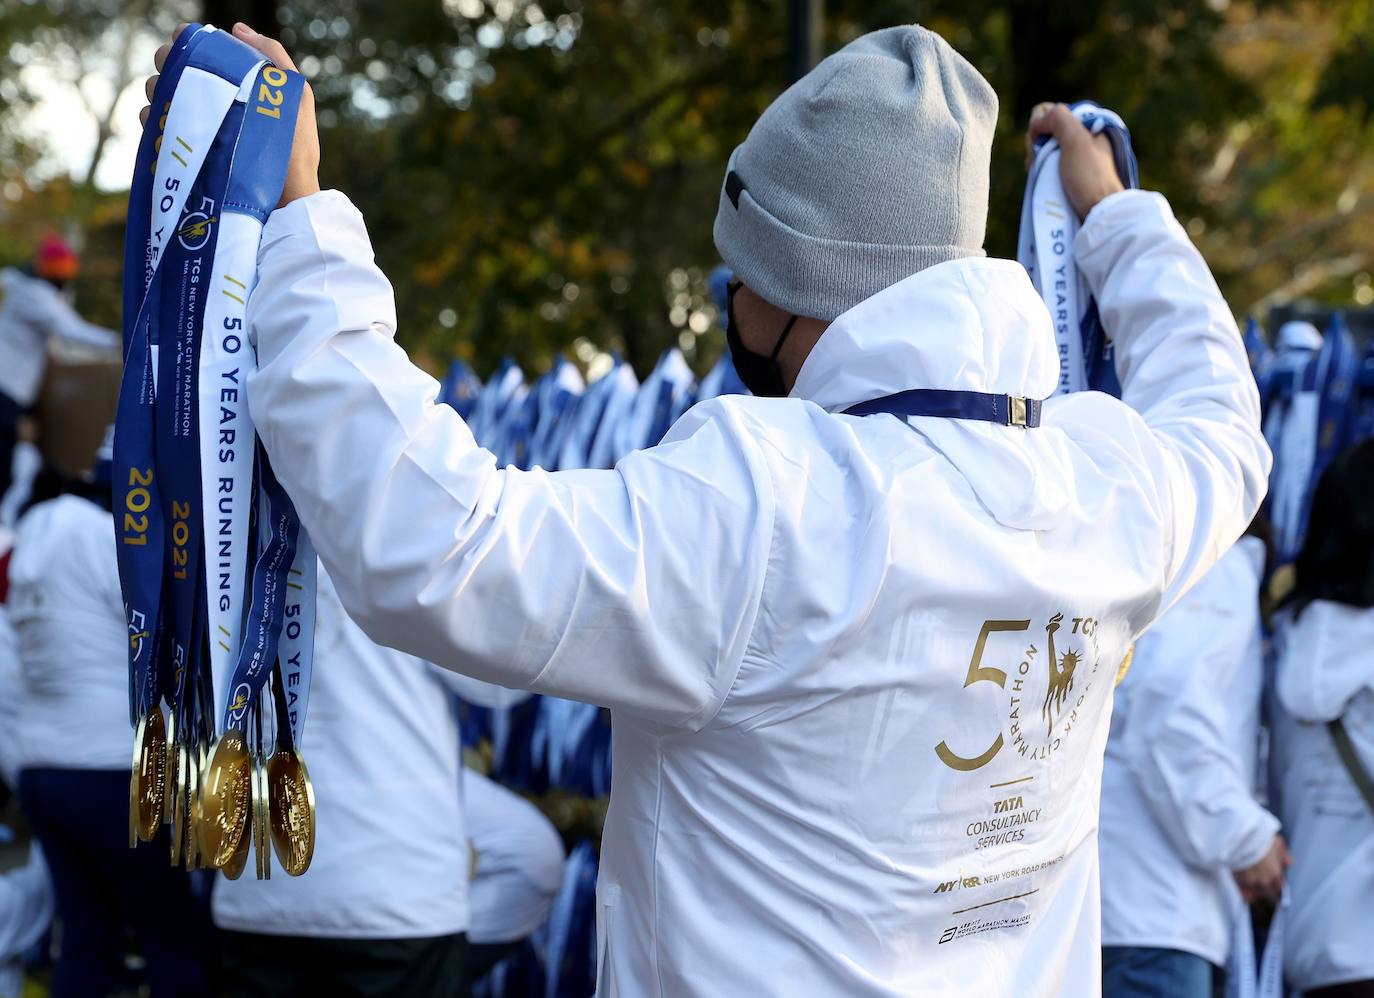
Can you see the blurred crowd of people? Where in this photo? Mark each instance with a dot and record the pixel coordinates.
(426, 876)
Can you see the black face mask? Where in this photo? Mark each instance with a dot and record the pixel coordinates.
(761, 375)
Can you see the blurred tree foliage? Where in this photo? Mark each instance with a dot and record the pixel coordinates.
(83, 47)
(539, 174)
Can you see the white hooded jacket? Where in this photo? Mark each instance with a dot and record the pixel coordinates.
(1178, 807)
(1325, 671)
(860, 668)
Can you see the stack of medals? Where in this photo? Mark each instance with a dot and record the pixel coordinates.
(217, 575)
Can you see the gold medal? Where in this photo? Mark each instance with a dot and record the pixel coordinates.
(170, 768)
(291, 801)
(195, 859)
(225, 799)
(149, 774)
(176, 765)
(264, 819)
(1125, 665)
(133, 781)
(238, 859)
(186, 810)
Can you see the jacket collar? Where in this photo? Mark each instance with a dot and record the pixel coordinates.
(971, 325)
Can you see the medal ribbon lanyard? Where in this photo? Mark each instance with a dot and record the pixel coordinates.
(171, 153)
(227, 439)
(218, 99)
(282, 597)
(1045, 248)
(267, 608)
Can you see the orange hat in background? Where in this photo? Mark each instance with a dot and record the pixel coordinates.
(55, 261)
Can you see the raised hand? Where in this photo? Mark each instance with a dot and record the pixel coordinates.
(302, 175)
(1085, 160)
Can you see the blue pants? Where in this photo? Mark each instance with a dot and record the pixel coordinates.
(105, 889)
(1149, 972)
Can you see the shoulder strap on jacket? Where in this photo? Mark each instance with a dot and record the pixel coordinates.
(1352, 762)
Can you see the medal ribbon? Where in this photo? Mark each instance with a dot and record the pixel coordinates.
(1045, 248)
(181, 304)
(158, 193)
(221, 143)
(227, 438)
(280, 528)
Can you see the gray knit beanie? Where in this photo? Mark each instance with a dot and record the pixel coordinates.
(870, 168)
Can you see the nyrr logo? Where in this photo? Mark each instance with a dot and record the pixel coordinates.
(962, 881)
(194, 231)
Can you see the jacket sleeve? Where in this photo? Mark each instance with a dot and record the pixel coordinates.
(1183, 368)
(1192, 712)
(634, 588)
(48, 311)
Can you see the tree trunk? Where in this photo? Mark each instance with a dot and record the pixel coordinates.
(1044, 36)
(260, 15)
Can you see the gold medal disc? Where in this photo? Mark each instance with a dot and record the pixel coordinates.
(170, 768)
(262, 852)
(291, 798)
(151, 775)
(238, 860)
(133, 781)
(225, 800)
(176, 809)
(195, 859)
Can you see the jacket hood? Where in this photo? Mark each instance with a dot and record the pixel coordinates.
(970, 324)
(966, 325)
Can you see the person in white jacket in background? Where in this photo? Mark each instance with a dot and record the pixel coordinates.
(73, 731)
(26, 896)
(34, 312)
(385, 906)
(859, 666)
(1325, 674)
(1181, 827)
(517, 869)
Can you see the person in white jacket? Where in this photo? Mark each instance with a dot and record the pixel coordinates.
(859, 667)
(384, 907)
(1180, 826)
(73, 733)
(34, 312)
(517, 869)
(1325, 677)
(26, 895)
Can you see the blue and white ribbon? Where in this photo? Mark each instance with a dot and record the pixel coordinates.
(1244, 979)
(211, 166)
(1045, 248)
(172, 151)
